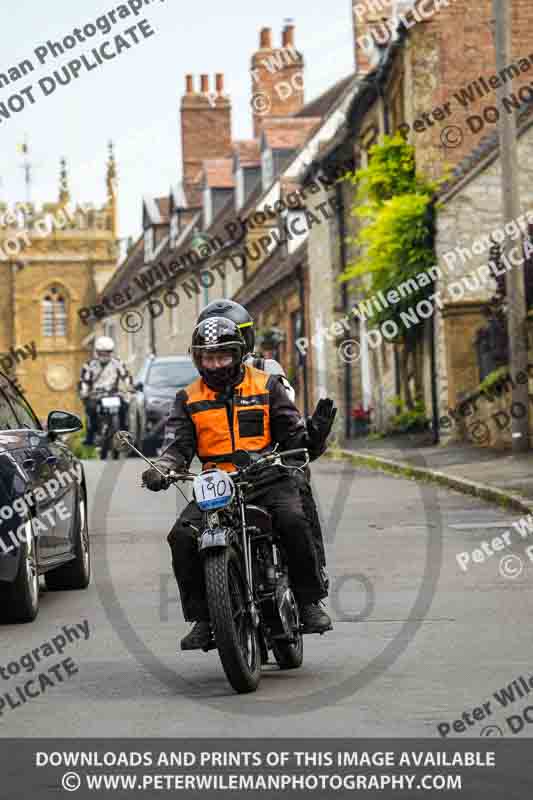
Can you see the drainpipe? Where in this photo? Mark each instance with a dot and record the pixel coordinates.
(301, 292)
(153, 346)
(345, 303)
(433, 368)
(386, 129)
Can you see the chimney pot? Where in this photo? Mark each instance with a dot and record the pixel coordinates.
(205, 84)
(189, 84)
(288, 36)
(219, 78)
(265, 42)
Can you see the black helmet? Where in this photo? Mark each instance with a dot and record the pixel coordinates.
(217, 335)
(229, 309)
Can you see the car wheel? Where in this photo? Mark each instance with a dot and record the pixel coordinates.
(75, 574)
(19, 600)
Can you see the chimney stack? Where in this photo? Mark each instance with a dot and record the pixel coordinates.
(288, 36)
(277, 78)
(265, 41)
(205, 126)
(370, 28)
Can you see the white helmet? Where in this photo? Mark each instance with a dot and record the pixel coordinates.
(103, 347)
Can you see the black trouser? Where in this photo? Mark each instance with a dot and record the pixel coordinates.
(311, 512)
(92, 417)
(284, 503)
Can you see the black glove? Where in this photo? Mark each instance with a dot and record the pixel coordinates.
(154, 481)
(319, 426)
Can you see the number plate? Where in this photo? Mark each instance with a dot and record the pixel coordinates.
(213, 489)
(110, 402)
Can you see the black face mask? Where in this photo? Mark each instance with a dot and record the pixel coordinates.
(223, 377)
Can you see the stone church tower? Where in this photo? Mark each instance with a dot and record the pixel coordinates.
(53, 261)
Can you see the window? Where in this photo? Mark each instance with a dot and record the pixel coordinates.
(54, 315)
(208, 207)
(8, 421)
(148, 245)
(174, 230)
(268, 168)
(239, 185)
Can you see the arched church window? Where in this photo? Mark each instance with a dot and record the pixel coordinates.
(54, 313)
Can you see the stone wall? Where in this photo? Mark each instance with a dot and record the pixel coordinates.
(471, 211)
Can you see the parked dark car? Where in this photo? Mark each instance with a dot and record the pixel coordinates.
(43, 507)
(156, 386)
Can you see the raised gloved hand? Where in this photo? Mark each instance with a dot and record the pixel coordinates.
(154, 481)
(319, 426)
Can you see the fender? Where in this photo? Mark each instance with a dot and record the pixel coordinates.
(216, 537)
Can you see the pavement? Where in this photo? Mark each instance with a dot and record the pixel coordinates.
(417, 641)
(498, 476)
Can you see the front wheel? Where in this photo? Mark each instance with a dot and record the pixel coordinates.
(75, 574)
(19, 601)
(235, 636)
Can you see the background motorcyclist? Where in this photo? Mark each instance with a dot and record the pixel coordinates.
(234, 406)
(103, 374)
(319, 425)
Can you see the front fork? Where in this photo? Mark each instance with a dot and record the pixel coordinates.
(247, 555)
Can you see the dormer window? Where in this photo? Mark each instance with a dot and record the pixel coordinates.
(148, 245)
(267, 163)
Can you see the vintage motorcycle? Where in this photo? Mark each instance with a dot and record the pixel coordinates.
(252, 607)
(108, 423)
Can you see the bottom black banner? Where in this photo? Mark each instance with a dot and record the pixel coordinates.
(267, 768)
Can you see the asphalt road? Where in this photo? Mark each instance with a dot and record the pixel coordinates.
(416, 640)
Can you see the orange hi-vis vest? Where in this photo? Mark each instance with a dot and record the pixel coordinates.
(216, 439)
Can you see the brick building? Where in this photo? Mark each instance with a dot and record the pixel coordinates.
(55, 261)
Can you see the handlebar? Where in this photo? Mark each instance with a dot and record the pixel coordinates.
(174, 477)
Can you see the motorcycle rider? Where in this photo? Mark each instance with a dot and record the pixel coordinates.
(319, 425)
(234, 406)
(103, 373)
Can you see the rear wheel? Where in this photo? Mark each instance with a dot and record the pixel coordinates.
(105, 441)
(76, 574)
(236, 638)
(289, 655)
(19, 600)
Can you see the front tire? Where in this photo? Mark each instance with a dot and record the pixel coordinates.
(75, 574)
(19, 600)
(236, 638)
(289, 655)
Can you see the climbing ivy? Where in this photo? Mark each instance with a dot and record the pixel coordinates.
(396, 242)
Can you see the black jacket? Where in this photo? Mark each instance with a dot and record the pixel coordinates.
(287, 427)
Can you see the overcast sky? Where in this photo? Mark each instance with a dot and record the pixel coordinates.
(134, 99)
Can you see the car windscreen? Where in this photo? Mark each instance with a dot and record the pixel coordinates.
(171, 374)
